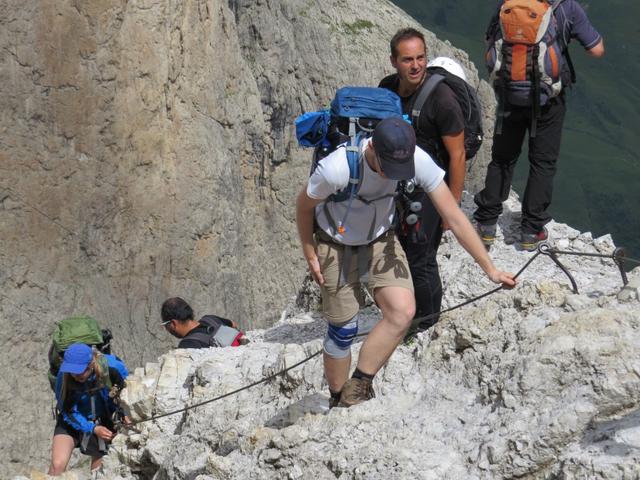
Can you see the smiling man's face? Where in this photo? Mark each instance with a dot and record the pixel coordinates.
(410, 63)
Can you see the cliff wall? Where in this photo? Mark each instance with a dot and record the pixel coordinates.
(147, 150)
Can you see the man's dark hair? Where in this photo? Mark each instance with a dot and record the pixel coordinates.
(404, 34)
(176, 309)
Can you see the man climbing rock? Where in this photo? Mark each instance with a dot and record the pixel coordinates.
(342, 258)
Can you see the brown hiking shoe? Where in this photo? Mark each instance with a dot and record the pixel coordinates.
(355, 391)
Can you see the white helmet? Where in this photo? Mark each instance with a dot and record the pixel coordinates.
(450, 65)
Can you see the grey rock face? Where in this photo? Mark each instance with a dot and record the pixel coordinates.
(538, 382)
(147, 150)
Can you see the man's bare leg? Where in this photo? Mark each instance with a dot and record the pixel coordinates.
(336, 370)
(398, 308)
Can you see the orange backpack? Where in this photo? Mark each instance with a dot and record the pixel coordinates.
(524, 56)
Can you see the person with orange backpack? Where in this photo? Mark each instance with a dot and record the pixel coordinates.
(530, 67)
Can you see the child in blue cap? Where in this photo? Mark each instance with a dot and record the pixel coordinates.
(83, 404)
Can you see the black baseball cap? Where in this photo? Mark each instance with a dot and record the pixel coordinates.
(394, 143)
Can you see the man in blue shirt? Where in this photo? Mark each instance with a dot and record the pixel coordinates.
(544, 144)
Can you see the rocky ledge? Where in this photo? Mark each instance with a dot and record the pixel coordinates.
(537, 382)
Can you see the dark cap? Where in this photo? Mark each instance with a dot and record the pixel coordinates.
(394, 142)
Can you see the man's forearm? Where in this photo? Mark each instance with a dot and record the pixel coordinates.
(454, 145)
(305, 214)
(461, 227)
(304, 221)
(468, 238)
(456, 176)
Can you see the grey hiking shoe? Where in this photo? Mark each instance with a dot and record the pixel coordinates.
(487, 233)
(530, 241)
(355, 391)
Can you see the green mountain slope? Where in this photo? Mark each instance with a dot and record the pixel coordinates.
(597, 185)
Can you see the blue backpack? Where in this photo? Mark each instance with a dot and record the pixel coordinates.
(354, 114)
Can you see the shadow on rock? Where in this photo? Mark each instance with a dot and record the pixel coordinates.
(314, 404)
(619, 437)
(298, 333)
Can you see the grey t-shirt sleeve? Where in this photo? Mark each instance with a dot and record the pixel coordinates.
(428, 174)
(580, 27)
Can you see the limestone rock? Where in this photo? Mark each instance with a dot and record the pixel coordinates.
(631, 291)
(537, 382)
(148, 150)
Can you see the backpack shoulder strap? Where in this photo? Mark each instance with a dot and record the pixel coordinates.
(353, 158)
(555, 3)
(355, 169)
(213, 322)
(563, 41)
(200, 337)
(425, 92)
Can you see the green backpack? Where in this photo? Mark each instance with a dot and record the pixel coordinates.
(81, 329)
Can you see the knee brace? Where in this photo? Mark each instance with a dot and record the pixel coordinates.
(338, 340)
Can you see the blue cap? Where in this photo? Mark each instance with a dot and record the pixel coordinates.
(76, 358)
(394, 142)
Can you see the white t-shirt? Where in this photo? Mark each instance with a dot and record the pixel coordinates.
(363, 222)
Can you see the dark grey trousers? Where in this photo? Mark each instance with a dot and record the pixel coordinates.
(543, 155)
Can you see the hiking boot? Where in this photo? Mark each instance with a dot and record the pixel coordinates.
(487, 233)
(355, 391)
(530, 241)
(334, 399)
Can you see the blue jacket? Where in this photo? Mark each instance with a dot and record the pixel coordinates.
(80, 416)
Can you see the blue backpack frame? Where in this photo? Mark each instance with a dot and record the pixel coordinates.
(354, 114)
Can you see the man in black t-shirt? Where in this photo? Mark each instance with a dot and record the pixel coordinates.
(440, 132)
(178, 320)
